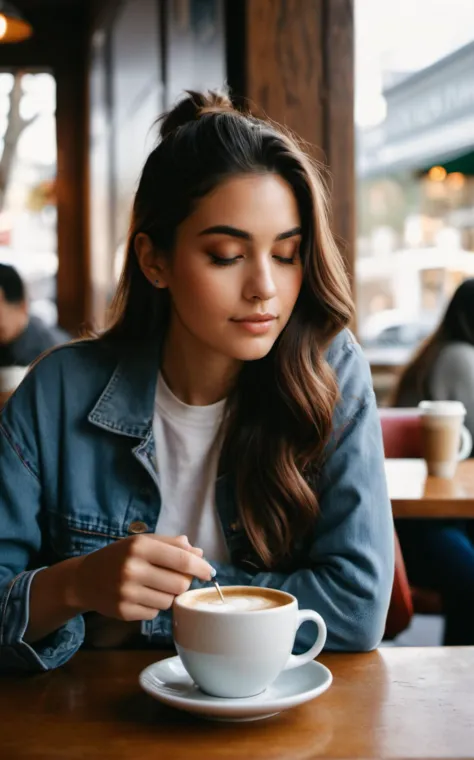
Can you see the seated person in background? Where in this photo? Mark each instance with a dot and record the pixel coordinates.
(22, 337)
(443, 368)
(440, 553)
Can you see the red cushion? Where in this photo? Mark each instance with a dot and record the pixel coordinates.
(401, 431)
(400, 611)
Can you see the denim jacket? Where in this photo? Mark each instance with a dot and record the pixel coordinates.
(78, 471)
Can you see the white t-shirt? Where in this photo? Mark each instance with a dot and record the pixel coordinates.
(187, 443)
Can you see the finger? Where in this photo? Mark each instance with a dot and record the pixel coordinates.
(160, 579)
(174, 558)
(180, 541)
(132, 612)
(160, 598)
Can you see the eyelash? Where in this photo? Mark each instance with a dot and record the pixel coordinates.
(222, 262)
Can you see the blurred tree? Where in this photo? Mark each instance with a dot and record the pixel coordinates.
(15, 126)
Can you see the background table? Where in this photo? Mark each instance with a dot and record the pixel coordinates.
(404, 703)
(415, 494)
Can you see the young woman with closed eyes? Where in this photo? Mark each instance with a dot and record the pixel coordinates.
(224, 418)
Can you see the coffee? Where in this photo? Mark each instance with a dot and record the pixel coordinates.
(442, 431)
(235, 600)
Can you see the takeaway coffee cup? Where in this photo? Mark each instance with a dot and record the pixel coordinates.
(445, 439)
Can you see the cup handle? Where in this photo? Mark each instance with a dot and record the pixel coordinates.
(466, 444)
(295, 660)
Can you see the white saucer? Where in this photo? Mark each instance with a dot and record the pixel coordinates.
(169, 682)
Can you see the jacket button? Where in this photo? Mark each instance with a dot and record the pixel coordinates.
(137, 526)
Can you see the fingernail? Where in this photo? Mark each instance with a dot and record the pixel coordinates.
(213, 572)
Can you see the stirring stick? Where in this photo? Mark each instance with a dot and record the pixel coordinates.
(218, 588)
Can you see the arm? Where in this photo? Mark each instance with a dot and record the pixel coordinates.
(349, 573)
(453, 379)
(20, 510)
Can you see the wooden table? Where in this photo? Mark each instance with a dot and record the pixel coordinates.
(403, 703)
(415, 494)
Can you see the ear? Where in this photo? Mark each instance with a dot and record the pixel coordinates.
(151, 262)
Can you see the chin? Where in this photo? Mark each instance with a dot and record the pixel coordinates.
(251, 352)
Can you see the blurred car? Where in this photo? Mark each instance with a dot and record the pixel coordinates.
(390, 337)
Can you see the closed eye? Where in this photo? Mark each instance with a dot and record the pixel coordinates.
(284, 260)
(222, 261)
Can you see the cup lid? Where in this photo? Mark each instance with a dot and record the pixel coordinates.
(442, 407)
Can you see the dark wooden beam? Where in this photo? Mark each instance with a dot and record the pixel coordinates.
(339, 122)
(294, 59)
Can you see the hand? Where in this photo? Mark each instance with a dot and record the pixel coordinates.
(136, 577)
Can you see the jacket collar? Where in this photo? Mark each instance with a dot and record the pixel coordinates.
(126, 405)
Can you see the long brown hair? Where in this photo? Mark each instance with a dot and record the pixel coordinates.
(456, 326)
(279, 414)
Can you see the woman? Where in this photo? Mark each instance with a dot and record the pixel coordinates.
(440, 553)
(443, 368)
(224, 417)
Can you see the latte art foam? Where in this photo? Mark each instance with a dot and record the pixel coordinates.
(237, 603)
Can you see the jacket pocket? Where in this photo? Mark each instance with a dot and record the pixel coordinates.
(73, 537)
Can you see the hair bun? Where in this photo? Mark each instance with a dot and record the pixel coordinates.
(193, 107)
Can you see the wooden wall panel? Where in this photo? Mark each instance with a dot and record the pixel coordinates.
(285, 64)
(298, 66)
(157, 48)
(73, 262)
(339, 122)
(99, 178)
(137, 101)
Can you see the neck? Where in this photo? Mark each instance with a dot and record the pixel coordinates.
(195, 373)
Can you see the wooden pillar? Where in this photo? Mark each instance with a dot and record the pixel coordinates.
(73, 260)
(294, 59)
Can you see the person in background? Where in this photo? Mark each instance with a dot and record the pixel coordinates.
(439, 554)
(225, 416)
(443, 368)
(23, 337)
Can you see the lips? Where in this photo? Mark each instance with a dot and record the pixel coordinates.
(256, 318)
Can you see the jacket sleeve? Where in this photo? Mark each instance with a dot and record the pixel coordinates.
(348, 574)
(20, 548)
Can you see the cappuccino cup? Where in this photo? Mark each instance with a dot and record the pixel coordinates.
(236, 649)
(11, 377)
(445, 440)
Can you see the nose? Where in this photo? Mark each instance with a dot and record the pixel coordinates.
(260, 283)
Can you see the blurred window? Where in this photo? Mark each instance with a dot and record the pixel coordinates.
(28, 211)
(414, 123)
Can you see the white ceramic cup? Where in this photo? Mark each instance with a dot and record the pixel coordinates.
(11, 377)
(235, 653)
(445, 440)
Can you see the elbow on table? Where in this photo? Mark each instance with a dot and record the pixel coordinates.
(364, 638)
(362, 631)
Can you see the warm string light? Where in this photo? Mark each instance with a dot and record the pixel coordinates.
(437, 174)
(13, 27)
(456, 180)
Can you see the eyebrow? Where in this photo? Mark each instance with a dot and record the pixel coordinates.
(224, 229)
